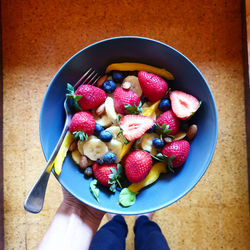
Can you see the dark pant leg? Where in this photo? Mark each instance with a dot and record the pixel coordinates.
(148, 235)
(111, 236)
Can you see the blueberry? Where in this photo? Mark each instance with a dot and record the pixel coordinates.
(98, 129)
(99, 161)
(109, 158)
(158, 143)
(105, 136)
(164, 105)
(109, 86)
(152, 129)
(117, 76)
(88, 172)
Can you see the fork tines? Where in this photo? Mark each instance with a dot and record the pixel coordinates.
(89, 77)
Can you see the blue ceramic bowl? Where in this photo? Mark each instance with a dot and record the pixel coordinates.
(169, 188)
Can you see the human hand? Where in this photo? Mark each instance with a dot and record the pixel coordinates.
(91, 214)
(75, 221)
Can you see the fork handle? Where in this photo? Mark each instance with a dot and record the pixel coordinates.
(35, 198)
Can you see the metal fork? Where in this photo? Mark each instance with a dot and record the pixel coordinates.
(35, 198)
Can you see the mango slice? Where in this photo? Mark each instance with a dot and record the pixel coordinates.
(152, 176)
(130, 66)
(126, 148)
(151, 110)
(58, 162)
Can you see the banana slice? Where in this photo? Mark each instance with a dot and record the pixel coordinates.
(76, 156)
(103, 120)
(81, 143)
(80, 146)
(110, 109)
(94, 148)
(147, 142)
(135, 85)
(115, 147)
(115, 131)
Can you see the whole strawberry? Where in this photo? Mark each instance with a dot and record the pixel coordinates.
(169, 118)
(179, 149)
(86, 96)
(92, 96)
(137, 165)
(153, 86)
(105, 173)
(82, 125)
(124, 96)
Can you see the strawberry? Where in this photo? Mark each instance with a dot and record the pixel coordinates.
(179, 149)
(86, 96)
(134, 126)
(82, 125)
(170, 119)
(122, 97)
(137, 165)
(183, 105)
(153, 86)
(107, 174)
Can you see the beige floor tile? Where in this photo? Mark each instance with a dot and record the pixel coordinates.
(34, 164)
(15, 230)
(130, 220)
(14, 134)
(14, 179)
(236, 227)
(191, 228)
(207, 191)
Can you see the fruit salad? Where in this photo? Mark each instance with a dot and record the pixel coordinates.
(129, 128)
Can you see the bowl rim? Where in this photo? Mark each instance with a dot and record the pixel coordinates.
(212, 151)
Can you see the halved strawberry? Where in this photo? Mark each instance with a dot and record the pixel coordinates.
(82, 125)
(134, 126)
(124, 96)
(153, 86)
(178, 149)
(137, 165)
(183, 105)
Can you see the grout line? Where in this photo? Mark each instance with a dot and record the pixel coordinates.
(1, 142)
(246, 75)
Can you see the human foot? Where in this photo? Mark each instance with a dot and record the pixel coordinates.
(149, 215)
(111, 216)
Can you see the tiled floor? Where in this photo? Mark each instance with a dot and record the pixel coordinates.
(39, 36)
